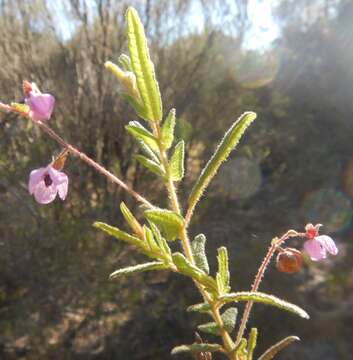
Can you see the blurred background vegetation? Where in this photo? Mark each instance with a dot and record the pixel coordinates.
(289, 61)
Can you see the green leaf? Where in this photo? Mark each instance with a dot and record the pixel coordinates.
(150, 165)
(241, 350)
(149, 238)
(167, 131)
(142, 66)
(228, 143)
(229, 318)
(222, 276)
(141, 133)
(273, 350)
(137, 105)
(199, 253)
(169, 222)
(161, 241)
(202, 308)
(125, 62)
(154, 265)
(195, 348)
(188, 269)
(130, 219)
(119, 234)
(176, 165)
(264, 299)
(252, 343)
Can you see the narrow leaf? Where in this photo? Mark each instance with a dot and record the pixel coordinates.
(228, 143)
(149, 238)
(167, 131)
(130, 219)
(188, 269)
(202, 308)
(199, 253)
(252, 343)
(195, 348)
(169, 222)
(264, 299)
(119, 234)
(222, 276)
(176, 165)
(142, 66)
(137, 105)
(125, 62)
(150, 165)
(161, 241)
(154, 265)
(139, 132)
(273, 350)
(229, 318)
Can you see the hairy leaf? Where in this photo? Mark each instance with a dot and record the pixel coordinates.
(194, 348)
(130, 219)
(142, 66)
(263, 298)
(154, 265)
(229, 318)
(150, 165)
(176, 165)
(199, 253)
(230, 140)
(222, 276)
(252, 343)
(125, 62)
(169, 222)
(161, 241)
(149, 238)
(167, 131)
(139, 132)
(137, 105)
(273, 350)
(202, 307)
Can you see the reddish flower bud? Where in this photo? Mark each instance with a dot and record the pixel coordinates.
(27, 88)
(59, 162)
(289, 260)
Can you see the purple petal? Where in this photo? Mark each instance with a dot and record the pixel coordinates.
(45, 194)
(35, 177)
(328, 244)
(41, 105)
(315, 250)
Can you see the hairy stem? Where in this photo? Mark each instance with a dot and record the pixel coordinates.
(259, 276)
(99, 168)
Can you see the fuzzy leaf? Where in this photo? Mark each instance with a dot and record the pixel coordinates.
(154, 265)
(273, 350)
(229, 318)
(202, 308)
(149, 238)
(264, 299)
(177, 162)
(195, 348)
(252, 343)
(137, 105)
(199, 253)
(167, 131)
(142, 66)
(169, 222)
(188, 269)
(119, 234)
(125, 62)
(228, 143)
(141, 133)
(161, 241)
(150, 165)
(222, 276)
(241, 350)
(130, 219)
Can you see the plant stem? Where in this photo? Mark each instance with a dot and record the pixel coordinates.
(258, 278)
(185, 242)
(99, 168)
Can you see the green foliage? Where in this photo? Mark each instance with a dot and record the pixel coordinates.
(188, 269)
(229, 318)
(223, 276)
(263, 298)
(125, 62)
(142, 66)
(130, 219)
(161, 241)
(252, 343)
(176, 166)
(273, 350)
(202, 308)
(241, 350)
(139, 132)
(228, 143)
(167, 131)
(199, 252)
(169, 222)
(195, 348)
(131, 270)
(151, 165)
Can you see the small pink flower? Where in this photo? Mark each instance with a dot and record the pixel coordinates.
(317, 246)
(45, 183)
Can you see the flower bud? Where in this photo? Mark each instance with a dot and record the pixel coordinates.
(289, 260)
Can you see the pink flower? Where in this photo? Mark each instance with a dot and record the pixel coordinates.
(317, 246)
(45, 183)
(41, 105)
